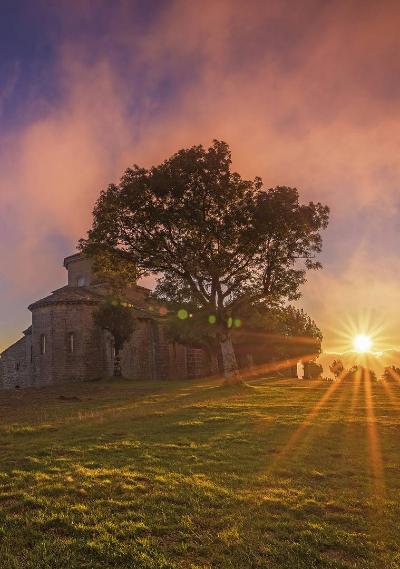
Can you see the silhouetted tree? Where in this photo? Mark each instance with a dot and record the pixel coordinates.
(337, 368)
(119, 321)
(361, 372)
(390, 373)
(313, 370)
(214, 239)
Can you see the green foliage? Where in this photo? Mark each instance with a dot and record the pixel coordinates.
(276, 333)
(215, 240)
(116, 318)
(191, 327)
(118, 272)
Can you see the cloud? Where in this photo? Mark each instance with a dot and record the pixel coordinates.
(51, 174)
(306, 95)
(360, 296)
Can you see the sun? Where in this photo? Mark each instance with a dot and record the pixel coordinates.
(362, 343)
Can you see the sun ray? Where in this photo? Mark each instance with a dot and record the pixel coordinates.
(366, 323)
(356, 391)
(373, 442)
(395, 401)
(329, 421)
(273, 367)
(355, 399)
(394, 375)
(254, 335)
(294, 438)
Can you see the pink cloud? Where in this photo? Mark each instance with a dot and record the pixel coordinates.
(305, 94)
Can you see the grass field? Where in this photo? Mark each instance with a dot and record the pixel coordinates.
(277, 474)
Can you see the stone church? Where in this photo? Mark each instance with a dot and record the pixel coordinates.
(63, 344)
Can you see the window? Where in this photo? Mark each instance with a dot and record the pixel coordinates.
(42, 344)
(71, 342)
(80, 281)
(17, 366)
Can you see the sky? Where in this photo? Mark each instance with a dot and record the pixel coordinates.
(307, 94)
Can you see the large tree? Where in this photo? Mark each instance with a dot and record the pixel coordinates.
(212, 238)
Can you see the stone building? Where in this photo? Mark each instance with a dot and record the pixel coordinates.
(63, 344)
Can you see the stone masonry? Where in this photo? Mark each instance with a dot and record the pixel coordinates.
(64, 345)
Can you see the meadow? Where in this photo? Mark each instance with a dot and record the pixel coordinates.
(279, 473)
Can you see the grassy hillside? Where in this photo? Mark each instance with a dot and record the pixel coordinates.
(279, 474)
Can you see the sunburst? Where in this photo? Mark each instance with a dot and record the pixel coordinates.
(362, 343)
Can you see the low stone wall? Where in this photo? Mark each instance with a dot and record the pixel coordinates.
(16, 366)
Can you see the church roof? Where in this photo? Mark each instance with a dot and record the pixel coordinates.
(81, 295)
(68, 295)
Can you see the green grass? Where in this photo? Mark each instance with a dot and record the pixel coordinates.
(192, 475)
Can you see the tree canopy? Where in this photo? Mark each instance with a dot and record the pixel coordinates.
(212, 238)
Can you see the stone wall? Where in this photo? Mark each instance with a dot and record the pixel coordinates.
(177, 358)
(148, 355)
(136, 356)
(59, 364)
(198, 364)
(16, 366)
(79, 267)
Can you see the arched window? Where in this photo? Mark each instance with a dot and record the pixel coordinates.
(43, 344)
(71, 342)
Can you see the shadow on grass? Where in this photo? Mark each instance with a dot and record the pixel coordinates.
(180, 477)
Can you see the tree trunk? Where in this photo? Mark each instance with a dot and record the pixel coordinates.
(231, 371)
(220, 362)
(117, 365)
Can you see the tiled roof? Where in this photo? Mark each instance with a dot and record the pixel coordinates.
(69, 295)
(82, 295)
